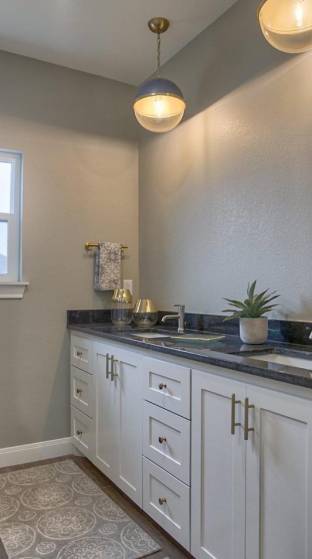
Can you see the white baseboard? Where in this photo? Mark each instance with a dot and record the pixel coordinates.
(14, 455)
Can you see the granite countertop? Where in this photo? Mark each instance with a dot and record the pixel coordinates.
(228, 352)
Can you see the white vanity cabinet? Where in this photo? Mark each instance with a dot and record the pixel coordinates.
(251, 490)
(118, 430)
(221, 460)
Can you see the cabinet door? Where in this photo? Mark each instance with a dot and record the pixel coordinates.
(107, 417)
(218, 469)
(119, 418)
(128, 380)
(278, 477)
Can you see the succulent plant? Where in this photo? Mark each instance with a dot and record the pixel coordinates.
(255, 306)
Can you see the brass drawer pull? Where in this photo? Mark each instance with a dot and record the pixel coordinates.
(79, 433)
(234, 423)
(161, 386)
(162, 500)
(247, 429)
(162, 440)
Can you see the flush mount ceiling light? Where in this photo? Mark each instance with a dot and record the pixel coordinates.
(287, 24)
(159, 104)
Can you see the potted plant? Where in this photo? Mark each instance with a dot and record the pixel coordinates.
(253, 325)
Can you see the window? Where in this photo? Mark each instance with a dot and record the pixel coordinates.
(10, 219)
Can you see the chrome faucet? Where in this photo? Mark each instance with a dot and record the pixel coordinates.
(180, 316)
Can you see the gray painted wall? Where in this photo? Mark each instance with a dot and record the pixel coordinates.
(77, 135)
(227, 196)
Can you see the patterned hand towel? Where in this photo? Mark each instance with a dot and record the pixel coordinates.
(107, 266)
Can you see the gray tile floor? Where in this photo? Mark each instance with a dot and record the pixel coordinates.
(169, 549)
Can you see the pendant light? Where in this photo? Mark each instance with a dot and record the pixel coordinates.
(287, 24)
(159, 104)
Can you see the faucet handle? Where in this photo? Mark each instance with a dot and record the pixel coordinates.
(181, 317)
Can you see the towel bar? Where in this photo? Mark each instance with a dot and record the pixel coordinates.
(93, 244)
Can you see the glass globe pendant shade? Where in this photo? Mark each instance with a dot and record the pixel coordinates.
(159, 105)
(287, 24)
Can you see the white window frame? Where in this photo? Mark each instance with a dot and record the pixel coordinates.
(11, 284)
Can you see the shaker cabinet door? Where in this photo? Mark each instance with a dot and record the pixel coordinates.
(107, 413)
(218, 468)
(119, 408)
(128, 380)
(278, 476)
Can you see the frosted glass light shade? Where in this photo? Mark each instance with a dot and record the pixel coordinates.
(287, 24)
(159, 105)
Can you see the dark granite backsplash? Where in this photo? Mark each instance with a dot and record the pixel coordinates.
(88, 317)
(279, 330)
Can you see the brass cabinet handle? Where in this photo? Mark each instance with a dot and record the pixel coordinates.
(79, 433)
(162, 440)
(161, 386)
(234, 423)
(162, 500)
(247, 429)
(79, 353)
(78, 391)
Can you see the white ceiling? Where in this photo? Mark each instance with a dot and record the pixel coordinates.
(105, 37)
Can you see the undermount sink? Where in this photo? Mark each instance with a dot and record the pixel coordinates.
(197, 338)
(150, 335)
(189, 341)
(181, 339)
(291, 361)
(193, 342)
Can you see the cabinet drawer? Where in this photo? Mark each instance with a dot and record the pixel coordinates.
(81, 353)
(166, 440)
(82, 391)
(167, 385)
(82, 429)
(167, 501)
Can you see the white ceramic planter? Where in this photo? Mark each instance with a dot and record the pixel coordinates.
(253, 330)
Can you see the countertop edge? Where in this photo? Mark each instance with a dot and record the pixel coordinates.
(280, 373)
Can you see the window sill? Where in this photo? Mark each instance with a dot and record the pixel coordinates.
(13, 290)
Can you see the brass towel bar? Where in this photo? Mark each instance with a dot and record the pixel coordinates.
(92, 244)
